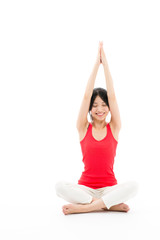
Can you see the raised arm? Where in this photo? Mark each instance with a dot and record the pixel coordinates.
(82, 120)
(115, 114)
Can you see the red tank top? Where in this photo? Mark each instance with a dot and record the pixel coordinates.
(98, 159)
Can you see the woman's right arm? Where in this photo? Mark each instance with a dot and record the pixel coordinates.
(82, 120)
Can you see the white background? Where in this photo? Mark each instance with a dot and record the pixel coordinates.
(47, 53)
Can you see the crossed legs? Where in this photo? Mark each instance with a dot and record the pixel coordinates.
(95, 205)
(82, 198)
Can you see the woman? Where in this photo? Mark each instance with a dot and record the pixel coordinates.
(97, 189)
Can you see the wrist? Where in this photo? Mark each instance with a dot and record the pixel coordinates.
(97, 63)
(105, 64)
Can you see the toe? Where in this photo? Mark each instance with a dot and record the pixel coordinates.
(126, 208)
(64, 208)
(64, 211)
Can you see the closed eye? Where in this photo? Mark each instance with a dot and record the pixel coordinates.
(102, 105)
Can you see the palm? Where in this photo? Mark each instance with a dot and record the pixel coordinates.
(101, 48)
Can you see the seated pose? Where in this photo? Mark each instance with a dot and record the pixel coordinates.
(97, 189)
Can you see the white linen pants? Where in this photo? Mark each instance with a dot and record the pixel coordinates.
(112, 195)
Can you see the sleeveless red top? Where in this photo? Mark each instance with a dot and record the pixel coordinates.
(98, 159)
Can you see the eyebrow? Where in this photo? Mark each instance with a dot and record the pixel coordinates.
(97, 103)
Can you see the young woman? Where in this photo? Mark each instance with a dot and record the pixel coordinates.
(97, 189)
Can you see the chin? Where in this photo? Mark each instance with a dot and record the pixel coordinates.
(100, 119)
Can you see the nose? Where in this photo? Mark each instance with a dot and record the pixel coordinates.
(99, 109)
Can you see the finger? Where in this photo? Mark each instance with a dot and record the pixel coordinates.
(101, 44)
(102, 50)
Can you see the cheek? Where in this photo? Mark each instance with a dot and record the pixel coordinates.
(93, 110)
(106, 109)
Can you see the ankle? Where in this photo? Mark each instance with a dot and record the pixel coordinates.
(94, 199)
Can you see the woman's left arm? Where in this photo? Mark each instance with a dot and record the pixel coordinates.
(114, 109)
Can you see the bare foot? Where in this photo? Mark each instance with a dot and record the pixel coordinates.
(76, 208)
(95, 205)
(122, 207)
(73, 208)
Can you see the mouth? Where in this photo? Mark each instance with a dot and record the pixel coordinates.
(100, 114)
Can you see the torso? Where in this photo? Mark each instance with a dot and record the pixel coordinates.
(98, 134)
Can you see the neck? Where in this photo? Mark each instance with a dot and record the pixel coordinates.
(99, 124)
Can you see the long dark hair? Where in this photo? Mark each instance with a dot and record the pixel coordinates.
(102, 93)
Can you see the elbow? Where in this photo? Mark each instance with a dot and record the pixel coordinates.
(78, 125)
(118, 125)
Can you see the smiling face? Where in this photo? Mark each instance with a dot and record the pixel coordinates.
(99, 109)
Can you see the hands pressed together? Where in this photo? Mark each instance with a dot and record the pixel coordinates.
(101, 57)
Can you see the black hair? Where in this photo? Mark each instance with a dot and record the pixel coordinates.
(102, 93)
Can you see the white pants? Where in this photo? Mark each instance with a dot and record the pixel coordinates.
(112, 195)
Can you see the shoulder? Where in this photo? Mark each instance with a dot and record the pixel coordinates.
(82, 132)
(115, 130)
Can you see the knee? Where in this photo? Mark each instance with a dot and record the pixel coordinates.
(60, 187)
(133, 186)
